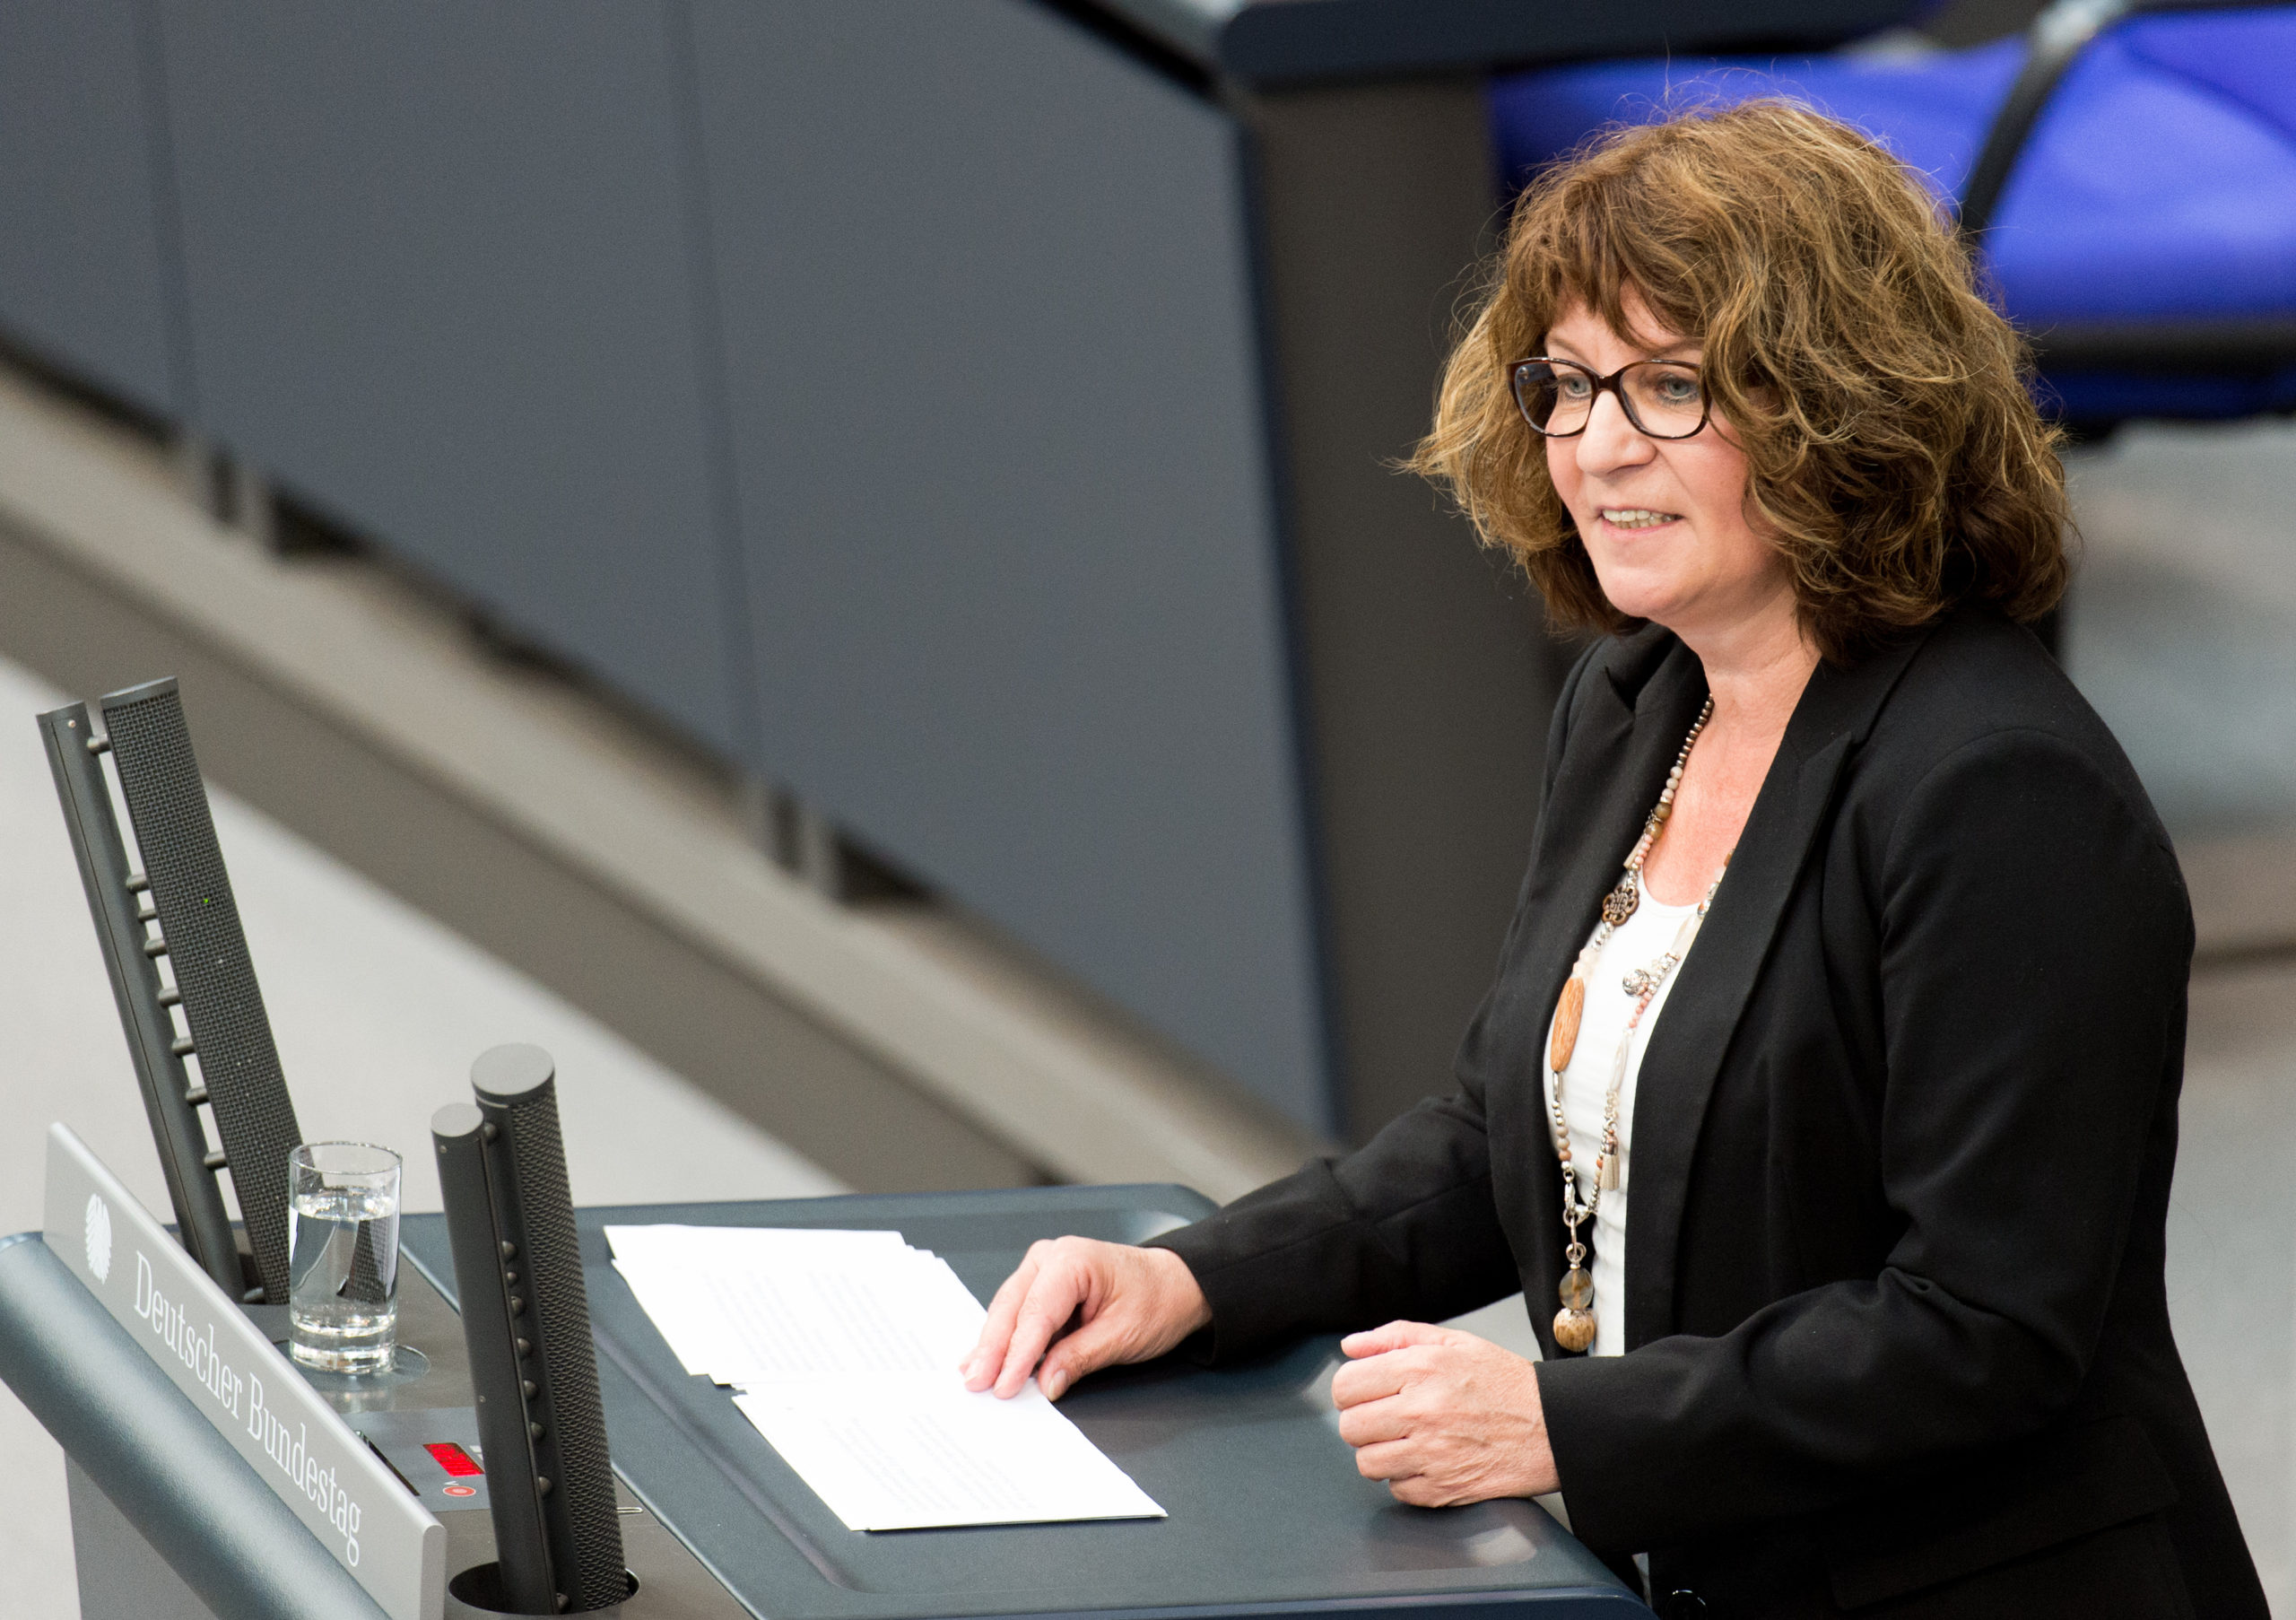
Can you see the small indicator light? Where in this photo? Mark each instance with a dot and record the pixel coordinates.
(453, 1459)
(458, 1490)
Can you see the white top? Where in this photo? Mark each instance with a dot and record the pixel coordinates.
(1638, 943)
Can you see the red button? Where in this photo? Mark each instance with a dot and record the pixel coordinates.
(460, 1490)
(454, 1459)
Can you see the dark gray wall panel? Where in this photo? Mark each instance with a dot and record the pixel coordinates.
(81, 263)
(1005, 494)
(440, 280)
(1430, 683)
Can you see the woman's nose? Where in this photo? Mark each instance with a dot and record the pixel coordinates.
(1611, 442)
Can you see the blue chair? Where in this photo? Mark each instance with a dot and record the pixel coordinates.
(2131, 178)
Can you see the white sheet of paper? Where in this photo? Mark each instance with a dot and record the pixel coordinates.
(681, 1244)
(777, 1320)
(746, 1305)
(908, 1456)
(843, 1347)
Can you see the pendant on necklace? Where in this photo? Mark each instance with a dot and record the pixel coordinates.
(1566, 1013)
(1574, 1324)
(1619, 904)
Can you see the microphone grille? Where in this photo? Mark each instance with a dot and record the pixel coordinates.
(238, 1063)
(561, 1303)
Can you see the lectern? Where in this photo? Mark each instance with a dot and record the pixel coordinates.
(1268, 1516)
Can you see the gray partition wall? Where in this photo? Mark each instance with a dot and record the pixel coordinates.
(1005, 475)
(84, 270)
(440, 282)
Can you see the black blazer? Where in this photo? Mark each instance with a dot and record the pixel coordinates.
(1898, 1335)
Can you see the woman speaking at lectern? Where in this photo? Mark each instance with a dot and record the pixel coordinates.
(1826, 1094)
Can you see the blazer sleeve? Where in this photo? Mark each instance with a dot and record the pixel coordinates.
(1406, 1227)
(2034, 941)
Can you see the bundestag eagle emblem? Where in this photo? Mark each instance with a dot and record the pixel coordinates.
(99, 1237)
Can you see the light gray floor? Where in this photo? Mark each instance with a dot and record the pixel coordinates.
(2182, 625)
(2232, 1249)
(377, 1012)
(2182, 632)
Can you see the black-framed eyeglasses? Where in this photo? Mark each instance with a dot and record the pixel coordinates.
(1663, 398)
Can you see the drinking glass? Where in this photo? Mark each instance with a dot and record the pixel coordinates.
(342, 1255)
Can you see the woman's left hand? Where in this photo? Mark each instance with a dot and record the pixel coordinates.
(1443, 1417)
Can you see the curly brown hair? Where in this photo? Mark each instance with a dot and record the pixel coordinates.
(1894, 453)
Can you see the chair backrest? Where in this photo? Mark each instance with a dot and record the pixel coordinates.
(2055, 40)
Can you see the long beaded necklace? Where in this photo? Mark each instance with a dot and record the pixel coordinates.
(1574, 1324)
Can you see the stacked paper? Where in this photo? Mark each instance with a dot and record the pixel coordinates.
(842, 1348)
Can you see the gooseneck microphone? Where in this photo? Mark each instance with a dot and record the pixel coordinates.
(527, 1321)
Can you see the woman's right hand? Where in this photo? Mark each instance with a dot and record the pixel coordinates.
(1128, 1304)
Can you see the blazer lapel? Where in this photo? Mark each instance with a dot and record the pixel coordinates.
(1694, 1033)
(1614, 764)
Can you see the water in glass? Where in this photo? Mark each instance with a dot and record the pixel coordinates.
(342, 1267)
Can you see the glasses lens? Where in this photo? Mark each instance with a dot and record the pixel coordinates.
(1554, 398)
(1665, 399)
